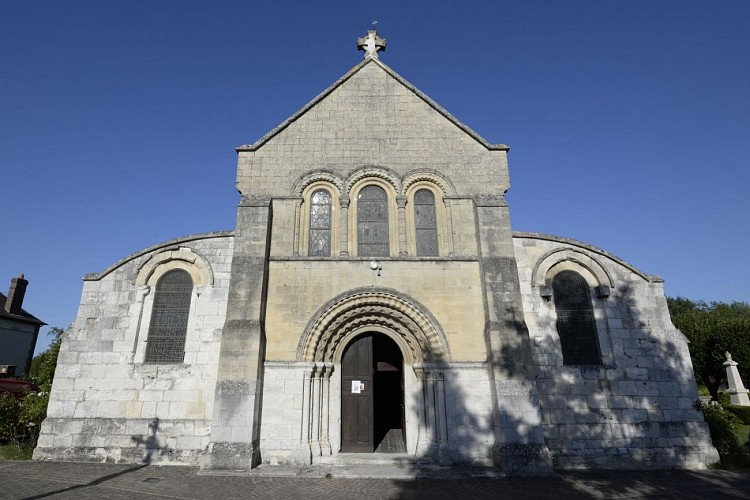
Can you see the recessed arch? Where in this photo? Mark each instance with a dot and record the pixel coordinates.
(317, 176)
(430, 178)
(175, 258)
(576, 325)
(570, 259)
(372, 172)
(170, 314)
(387, 311)
(306, 207)
(442, 225)
(391, 225)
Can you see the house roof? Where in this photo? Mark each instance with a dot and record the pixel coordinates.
(23, 316)
(371, 60)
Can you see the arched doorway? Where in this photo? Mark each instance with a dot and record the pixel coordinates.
(372, 395)
(423, 352)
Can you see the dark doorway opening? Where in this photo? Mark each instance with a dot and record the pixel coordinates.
(372, 396)
(389, 395)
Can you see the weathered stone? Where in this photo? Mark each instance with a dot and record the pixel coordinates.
(483, 370)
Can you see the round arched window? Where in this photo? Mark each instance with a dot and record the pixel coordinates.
(372, 222)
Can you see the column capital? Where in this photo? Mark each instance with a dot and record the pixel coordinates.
(490, 200)
(254, 200)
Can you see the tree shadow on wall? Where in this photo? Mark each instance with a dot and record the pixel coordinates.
(635, 411)
(150, 443)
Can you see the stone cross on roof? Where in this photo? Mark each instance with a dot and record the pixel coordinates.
(371, 44)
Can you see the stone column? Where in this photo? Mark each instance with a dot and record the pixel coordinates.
(401, 203)
(429, 401)
(424, 436)
(441, 416)
(297, 226)
(317, 406)
(450, 237)
(325, 442)
(519, 441)
(306, 434)
(433, 436)
(235, 429)
(735, 387)
(344, 203)
(141, 294)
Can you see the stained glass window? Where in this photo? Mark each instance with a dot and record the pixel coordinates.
(169, 318)
(320, 224)
(372, 222)
(425, 222)
(575, 319)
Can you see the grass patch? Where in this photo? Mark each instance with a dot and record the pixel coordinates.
(13, 452)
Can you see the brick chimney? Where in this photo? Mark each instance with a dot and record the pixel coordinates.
(15, 295)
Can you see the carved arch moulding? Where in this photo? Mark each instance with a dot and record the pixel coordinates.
(175, 258)
(373, 172)
(430, 177)
(400, 184)
(380, 310)
(317, 176)
(568, 258)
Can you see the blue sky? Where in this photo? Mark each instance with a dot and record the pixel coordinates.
(629, 122)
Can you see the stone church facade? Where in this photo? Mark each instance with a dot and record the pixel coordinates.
(373, 297)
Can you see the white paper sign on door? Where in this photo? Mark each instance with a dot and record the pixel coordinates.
(356, 389)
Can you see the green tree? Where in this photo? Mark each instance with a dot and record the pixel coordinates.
(43, 365)
(712, 330)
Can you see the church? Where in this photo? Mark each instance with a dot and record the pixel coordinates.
(374, 304)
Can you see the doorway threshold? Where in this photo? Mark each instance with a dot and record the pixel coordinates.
(404, 459)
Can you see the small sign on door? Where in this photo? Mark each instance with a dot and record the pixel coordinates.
(357, 386)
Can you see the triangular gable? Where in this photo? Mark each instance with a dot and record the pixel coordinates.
(466, 129)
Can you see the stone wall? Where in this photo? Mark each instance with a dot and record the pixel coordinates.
(106, 403)
(450, 290)
(635, 409)
(372, 118)
(448, 412)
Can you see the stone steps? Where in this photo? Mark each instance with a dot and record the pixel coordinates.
(403, 459)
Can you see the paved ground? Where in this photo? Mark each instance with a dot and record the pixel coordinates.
(35, 480)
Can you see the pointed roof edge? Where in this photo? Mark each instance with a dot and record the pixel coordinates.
(23, 315)
(481, 140)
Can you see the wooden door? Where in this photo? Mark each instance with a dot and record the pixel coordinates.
(357, 397)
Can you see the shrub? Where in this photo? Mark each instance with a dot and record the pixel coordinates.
(10, 410)
(21, 418)
(33, 411)
(722, 426)
(723, 399)
(742, 412)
